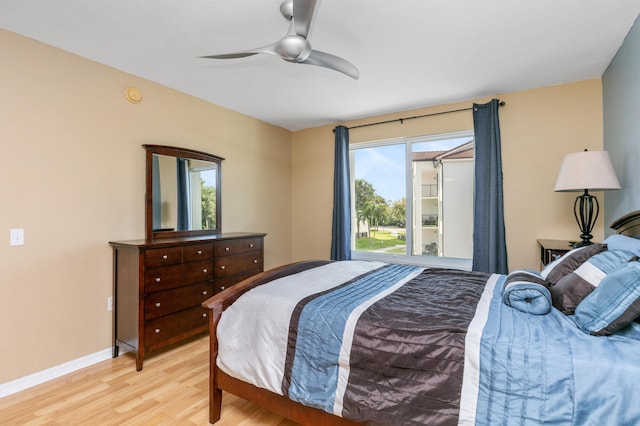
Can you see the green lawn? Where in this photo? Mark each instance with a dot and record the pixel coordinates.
(379, 240)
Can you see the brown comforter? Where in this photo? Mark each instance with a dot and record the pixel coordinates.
(407, 356)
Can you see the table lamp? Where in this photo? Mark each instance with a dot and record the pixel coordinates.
(584, 171)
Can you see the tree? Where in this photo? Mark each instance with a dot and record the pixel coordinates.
(398, 212)
(364, 196)
(208, 205)
(375, 212)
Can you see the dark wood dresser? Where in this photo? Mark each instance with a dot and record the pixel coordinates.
(160, 284)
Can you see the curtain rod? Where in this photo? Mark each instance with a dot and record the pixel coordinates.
(402, 120)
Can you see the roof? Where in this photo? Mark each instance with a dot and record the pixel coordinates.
(466, 150)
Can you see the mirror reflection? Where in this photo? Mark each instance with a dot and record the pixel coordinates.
(184, 194)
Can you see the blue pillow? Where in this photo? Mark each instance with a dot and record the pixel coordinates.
(614, 304)
(622, 242)
(572, 288)
(527, 292)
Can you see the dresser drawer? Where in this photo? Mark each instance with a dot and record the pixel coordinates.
(232, 265)
(197, 253)
(233, 247)
(220, 284)
(179, 325)
(162, 256)
(176, 276)
(160, 284)
(170, 301)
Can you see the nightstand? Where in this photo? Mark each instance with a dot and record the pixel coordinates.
(551, 250)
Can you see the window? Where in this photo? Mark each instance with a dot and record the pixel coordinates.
(203, 177)
(413, 200)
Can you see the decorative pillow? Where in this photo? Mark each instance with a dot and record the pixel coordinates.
(614, 304)
(572, 288)
(527, 292)
(622, 242)
(569, 262)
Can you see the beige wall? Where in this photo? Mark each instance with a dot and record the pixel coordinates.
(72, 176)
(537, 126)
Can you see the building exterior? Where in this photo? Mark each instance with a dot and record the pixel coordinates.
(443, 202)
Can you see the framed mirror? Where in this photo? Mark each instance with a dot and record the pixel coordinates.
(182, 192)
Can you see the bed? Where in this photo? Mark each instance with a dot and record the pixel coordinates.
(339, 343)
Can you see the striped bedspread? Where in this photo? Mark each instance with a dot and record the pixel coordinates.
(372, 342)
(399, 345)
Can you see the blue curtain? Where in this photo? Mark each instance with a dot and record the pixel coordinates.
(183, 194)
(489, 246)
(341, 232)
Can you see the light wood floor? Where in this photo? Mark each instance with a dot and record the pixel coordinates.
(172, 389)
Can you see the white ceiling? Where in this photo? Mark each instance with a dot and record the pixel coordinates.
(410, 53)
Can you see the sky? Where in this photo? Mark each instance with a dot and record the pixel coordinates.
(209, 177)
(384, 166)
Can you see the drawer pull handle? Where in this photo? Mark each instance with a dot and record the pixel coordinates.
(204, 293)
(199, 251)
(157, 279)
(158, 305)
(226, 249)
(251, 245)
(221, 287)
(204, 315)
(222, 267)
(205, 270)
(157, 331)
(255, 260)
(164, 256)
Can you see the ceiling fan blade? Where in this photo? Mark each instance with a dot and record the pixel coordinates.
(230, 55)
(270, 49)
(333, 62)
(295, 47)
(302, 15)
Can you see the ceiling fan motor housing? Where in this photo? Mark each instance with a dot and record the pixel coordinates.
(286, 8)
(293, 48)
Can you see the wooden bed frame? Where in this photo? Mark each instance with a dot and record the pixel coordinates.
(628, 224)
(219, 381)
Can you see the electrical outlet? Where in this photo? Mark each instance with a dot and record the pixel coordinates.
(109, 303)
(16, 237)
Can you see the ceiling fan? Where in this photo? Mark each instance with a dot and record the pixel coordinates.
(295, 46)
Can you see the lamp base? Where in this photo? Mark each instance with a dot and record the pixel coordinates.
(585, 210)
(582, 243)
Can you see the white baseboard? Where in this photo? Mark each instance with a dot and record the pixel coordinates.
(53, 372)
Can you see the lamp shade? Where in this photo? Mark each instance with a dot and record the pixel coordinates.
(586, 170)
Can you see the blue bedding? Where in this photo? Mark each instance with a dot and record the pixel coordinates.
(537, 369)
(394, 344)
(319, 334)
